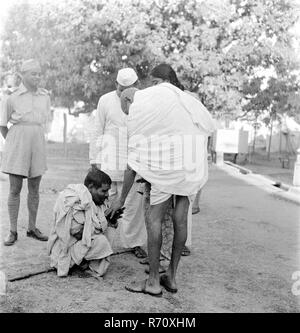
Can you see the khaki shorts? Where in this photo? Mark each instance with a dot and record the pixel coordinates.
(24, 151)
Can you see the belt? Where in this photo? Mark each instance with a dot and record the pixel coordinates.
(28, 123)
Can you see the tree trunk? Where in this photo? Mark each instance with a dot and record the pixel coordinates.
(252, 151)
(280, 140)
(65, 135)
(253, 147)
(270, 140)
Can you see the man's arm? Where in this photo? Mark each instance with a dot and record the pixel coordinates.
(4, 131)
(5, 112)
(96, 133)
(129, 176)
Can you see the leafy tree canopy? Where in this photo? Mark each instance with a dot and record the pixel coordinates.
(222, 49)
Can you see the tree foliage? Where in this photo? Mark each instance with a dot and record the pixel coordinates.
(222, 49)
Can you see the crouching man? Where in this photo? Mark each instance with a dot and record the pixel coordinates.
(81, 234)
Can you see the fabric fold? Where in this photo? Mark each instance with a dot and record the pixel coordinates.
(167, 139)
(75, 207)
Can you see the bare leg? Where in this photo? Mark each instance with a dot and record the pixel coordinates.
(33, 199)
(153, 218)
(180, 235)
(157, 212)
(16, 183)
(186, 249)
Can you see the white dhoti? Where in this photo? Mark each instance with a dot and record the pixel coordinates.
(132, 225)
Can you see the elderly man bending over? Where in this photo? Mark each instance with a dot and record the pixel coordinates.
(166, 129)
(81, 232)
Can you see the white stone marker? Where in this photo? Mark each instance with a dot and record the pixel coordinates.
(296, 180)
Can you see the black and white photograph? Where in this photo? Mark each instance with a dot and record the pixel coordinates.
(150, 159)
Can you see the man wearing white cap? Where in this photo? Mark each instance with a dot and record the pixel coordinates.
(108, 152)
(24, 154)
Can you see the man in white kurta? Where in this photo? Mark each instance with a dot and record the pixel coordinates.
(108, 152)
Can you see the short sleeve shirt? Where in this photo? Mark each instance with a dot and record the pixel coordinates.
(25, 106)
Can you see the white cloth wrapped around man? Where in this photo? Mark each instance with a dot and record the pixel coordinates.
(80, 231)
(174, 160)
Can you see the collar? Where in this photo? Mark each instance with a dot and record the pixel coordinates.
(23, 90)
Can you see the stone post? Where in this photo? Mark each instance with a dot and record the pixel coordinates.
(219, 158)
(296, 180)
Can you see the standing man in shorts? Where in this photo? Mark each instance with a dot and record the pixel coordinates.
(24, 154)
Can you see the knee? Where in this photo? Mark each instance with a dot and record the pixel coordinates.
(154, 231)
(180, 219)
(154, 223)
(181, 208)
(34, 195)
(34, 186)
(15, 191)
(180, 227)
(180, 222)
(33, 191)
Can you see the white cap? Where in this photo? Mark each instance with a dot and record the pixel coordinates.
(30, 64)
(126, 77)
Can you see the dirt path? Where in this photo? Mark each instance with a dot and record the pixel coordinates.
(245, 250)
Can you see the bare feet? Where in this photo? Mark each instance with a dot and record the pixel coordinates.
(144, 288)
(167, 284)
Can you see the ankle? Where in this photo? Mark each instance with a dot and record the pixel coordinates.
(170, 274)
(31, 228)
(153, 281)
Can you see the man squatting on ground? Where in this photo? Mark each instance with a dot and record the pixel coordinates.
(24, 154)
(157, 114)
(108, 152)
(81, 234)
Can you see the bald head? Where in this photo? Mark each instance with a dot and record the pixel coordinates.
(127, 98)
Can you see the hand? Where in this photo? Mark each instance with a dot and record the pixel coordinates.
(78, 235)
(119, 213)
(113, 222)
(115, 206)
(4, 131)
(98, 230)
